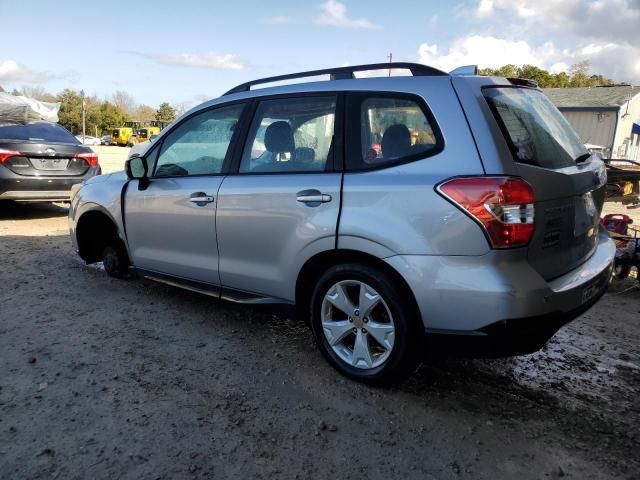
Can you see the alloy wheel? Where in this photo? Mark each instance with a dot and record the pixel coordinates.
(357, 324)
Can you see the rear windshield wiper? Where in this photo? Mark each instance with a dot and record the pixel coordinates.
(583, 158)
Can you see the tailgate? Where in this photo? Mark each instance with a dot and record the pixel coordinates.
(568, 182)
(567, 214)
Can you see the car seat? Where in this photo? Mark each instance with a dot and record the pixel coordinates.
(396, 142)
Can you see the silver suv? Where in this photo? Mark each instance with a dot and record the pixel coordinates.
(400, 215)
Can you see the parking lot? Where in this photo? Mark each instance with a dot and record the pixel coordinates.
(131, 379)
(111, 157)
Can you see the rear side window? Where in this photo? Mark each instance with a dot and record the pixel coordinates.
(40, 132)
(392, 130)
(537, 133)
(290, 135)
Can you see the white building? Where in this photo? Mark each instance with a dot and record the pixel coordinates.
(605, 117)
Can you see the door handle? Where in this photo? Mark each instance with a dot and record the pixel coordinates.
(312, 196)
(201, 198)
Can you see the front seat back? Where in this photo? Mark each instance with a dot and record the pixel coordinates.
(278, 138)
(396, 142)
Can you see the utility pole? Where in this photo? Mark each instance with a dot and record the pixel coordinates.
(84, 108)
(390, 57)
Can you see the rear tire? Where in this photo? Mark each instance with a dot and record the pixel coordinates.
(621, 271)
(115, 260)
(384, 322)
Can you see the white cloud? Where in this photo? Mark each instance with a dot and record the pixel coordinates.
(278, 19)
(549, 9)
(210, 60)
(333, 13)
(193, 101)
(12, 72)
(611, 20)
(604, 32)
(596, 49)
(485, 7)
(484, 51)
(620, 62)
(559, 67)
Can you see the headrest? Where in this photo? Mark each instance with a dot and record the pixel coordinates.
(278, 138)
(396, 141)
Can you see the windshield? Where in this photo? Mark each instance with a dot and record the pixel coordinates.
(535, 129)
(37, 132)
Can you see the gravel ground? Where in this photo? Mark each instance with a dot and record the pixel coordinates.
(130, 379)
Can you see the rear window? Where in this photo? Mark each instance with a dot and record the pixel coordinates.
(537, 132)
(37, 132)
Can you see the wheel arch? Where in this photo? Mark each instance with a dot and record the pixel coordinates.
(315, 266)
(94, 230)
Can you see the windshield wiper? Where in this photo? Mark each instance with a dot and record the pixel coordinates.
(583, 158)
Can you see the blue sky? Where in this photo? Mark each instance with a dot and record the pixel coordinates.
(186, 51)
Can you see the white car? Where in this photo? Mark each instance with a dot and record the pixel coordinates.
(88, 140)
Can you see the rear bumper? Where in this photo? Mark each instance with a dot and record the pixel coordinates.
(498, 299)
(35, 195)
(19, 187)
(510, 337)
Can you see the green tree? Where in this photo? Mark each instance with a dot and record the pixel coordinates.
(508, 71)
(144, 114)
(538, 75)
(70, 114)
(578, 75)
(111, 116)
(39, 93)
(16, 92)
(165, 113)
(124, 102)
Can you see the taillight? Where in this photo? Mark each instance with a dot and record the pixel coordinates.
(504, 206)
(90, 157)
(5, 154)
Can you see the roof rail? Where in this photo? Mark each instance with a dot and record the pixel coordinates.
(343, 73)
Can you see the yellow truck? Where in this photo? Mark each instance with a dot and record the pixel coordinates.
(133, 132)
(143, 134)
(123, 135)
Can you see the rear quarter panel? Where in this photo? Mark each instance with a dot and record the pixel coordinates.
(496, 156)
(396, 210)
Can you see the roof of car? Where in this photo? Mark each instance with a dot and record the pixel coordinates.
(340, 78)
(343, 73)
(591, 96)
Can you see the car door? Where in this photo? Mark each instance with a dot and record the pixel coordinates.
(170, 225)
(282, 206)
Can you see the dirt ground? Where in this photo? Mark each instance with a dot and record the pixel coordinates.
(111, 158)
(102, 378)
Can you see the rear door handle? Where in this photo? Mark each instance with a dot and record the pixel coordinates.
(312, 196)
(201, 198)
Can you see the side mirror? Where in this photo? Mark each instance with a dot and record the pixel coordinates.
(137, 169)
